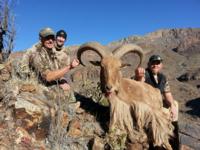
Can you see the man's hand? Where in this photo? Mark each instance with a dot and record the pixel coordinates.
(140, 74)
(173, 111)
(65, 86)
(74, 63)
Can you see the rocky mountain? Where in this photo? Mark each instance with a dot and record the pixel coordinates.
(26, 112)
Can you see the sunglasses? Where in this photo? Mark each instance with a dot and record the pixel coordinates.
(157, 62)
(50, 37)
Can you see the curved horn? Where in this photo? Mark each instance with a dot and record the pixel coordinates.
(95, 46)
(124, 49)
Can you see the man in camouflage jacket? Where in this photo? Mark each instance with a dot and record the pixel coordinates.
(47, 66)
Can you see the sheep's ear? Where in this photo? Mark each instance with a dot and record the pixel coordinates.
(95, 63)
(125, 65)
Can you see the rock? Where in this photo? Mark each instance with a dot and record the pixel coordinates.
(32, 114)
(24, 140)
(189, 134)
(135, 146)
(189, 141)
(185, 147)
(80, 111)
(23, 136)
(74, 128)
(98, 144)
(26, 120)
(27, 88)
(2, 90)
(184, 77)
(65, 120)
(41, 134)
(32, 104)
(5, 75)
(75, 106)
(193, 130)
(5, 71)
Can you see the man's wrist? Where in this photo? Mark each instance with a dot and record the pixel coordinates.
(70, 66)
(172, 105)
(139, 78)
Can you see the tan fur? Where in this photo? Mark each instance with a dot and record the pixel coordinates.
(136, 107)
(143, 102)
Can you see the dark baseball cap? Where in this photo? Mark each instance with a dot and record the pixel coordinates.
(154, 58)
(62, 33)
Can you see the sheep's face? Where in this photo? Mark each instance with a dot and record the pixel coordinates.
(110, 75)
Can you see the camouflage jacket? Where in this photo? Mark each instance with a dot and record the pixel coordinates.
(63, 56)
(24, 70)
(44, 61)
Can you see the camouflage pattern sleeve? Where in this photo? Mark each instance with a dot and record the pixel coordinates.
(67, 59)
(67, 53)
(24, 64)
(63, 59)
(167, 87)
(66, 50)
(24, 70)
(41, 65)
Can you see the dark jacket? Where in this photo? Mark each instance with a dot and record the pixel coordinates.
(162, 80)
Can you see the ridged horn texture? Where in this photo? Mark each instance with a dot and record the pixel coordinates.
(95, 46)
(124, 49)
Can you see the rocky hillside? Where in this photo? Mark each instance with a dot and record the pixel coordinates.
(29, 120)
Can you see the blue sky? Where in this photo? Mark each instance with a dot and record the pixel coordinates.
(101, 20)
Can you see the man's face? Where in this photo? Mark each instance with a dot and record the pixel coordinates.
(155, 66)
(60, 41)
(48, 42)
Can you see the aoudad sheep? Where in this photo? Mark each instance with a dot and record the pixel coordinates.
(135, 107)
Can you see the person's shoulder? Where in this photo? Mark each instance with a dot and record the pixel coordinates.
(33, 48)
(39, 54)
(59, 53)
(162, 74)
(66, 50)
(163, 77)
(147, 72)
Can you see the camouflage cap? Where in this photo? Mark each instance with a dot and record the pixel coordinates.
(46, 32)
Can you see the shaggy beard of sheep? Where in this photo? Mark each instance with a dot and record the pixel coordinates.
(140, 123)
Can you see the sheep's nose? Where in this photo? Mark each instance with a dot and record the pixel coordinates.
(108, 87)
